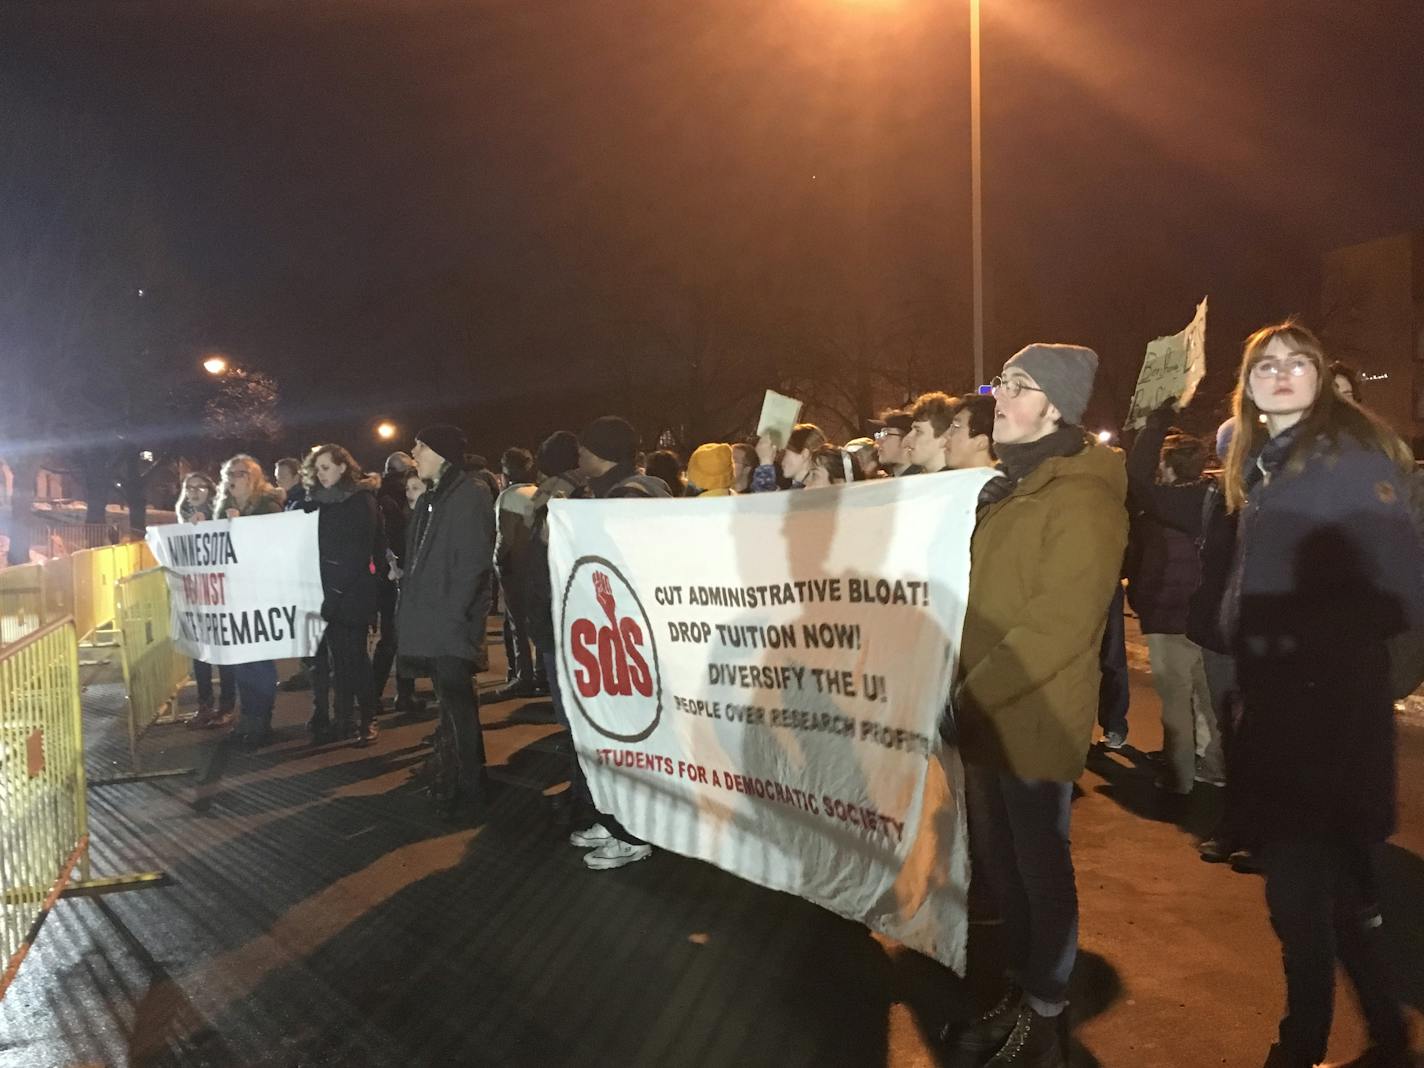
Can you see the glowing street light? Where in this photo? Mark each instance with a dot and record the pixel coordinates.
(385, 430)
(215, 365)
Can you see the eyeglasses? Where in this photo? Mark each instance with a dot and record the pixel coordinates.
(957, 426)
(881, 435)
(1011, 387)
(1295, 366)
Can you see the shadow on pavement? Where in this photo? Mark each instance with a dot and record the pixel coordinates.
(1129, 781)
(1402, 890)
(511, 952)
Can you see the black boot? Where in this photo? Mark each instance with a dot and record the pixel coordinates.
(1035, 1042)
(1280, 1057)
(969, 1045)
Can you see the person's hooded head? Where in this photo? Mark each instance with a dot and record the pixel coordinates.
(710, 470)
(558, 453)
(606, 443)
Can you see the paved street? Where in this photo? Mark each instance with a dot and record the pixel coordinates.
(319, 914)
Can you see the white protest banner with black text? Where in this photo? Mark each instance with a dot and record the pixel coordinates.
(244, 589)
(758, 681)
(1172, 368)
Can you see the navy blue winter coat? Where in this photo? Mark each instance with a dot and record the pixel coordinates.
(1328, 567)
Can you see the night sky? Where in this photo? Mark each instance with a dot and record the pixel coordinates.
(515, 213)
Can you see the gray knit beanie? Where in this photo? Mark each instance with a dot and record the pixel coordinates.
(1065, 373)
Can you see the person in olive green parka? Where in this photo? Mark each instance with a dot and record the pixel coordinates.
(1046, 555)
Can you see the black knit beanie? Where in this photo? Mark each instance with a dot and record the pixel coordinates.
(446, 440)
(611, 439)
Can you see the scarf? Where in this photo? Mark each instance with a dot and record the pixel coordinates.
(332, 494)
(1017, 462)
(1272, 457)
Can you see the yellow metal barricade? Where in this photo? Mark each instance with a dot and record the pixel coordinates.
(21, 602)
(82, 575)
(105, 563)
(43, 820)
(58, 589)
(153, 667)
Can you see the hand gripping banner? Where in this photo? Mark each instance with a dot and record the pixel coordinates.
(244, 589)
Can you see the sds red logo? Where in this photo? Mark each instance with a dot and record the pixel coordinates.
(609, 653)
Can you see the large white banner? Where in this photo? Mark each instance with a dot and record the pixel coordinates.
(758, 681)
(243, 589)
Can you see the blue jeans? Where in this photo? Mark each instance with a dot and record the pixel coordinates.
(227, 693)
(257, 692)
(1019, 842)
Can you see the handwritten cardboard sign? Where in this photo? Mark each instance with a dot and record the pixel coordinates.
(1171, 370)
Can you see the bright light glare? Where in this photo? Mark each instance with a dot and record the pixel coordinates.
(215, 365)
(386, 431)
(1105, 436)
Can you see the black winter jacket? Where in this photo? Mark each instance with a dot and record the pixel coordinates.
(449, 557)
(352, 545)
(1162, 575)
(395, 514)
(1197, 510)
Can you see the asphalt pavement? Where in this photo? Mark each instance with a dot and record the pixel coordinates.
(320, 914)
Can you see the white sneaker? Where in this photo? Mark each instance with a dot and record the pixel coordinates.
(615, 854)
(591, 837)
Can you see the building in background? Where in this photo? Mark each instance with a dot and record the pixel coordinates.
(1372, 317)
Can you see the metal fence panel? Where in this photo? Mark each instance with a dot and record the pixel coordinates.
(43, 820)
(153, 667)
(21, 602)
(105, 566)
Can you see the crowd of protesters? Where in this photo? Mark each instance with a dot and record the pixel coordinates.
(1281, 599)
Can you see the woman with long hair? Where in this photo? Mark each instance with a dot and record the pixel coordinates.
(352, 545)
(196, 498)
(791, 469)
(1328, 568)
(245, 491)
(195, 505)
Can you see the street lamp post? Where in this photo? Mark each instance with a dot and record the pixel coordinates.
(976, 192)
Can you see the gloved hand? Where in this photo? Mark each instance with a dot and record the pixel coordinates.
(1164, 413)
